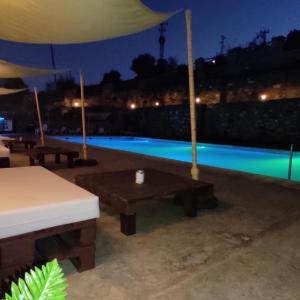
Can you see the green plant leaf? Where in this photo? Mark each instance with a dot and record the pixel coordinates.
(47, 283)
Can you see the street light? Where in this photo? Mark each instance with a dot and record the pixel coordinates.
(132, 106)
(157, 103)
(198, 100)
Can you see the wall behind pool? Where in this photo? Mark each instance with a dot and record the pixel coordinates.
(269, 123)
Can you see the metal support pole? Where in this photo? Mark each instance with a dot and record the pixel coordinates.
(291, 162)
(194, 170)
(84, 146)
(39, 117)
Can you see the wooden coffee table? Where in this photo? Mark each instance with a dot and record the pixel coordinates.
(39, 154)
(119, 190)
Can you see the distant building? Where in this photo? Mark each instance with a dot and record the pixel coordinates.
(270, 68)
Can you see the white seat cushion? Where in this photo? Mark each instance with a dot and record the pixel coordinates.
(33, 198)
(4, 152)
(2, 137)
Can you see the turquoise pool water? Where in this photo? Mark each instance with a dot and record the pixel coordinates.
(251, 160)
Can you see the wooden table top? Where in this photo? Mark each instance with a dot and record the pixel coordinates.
(122, 184)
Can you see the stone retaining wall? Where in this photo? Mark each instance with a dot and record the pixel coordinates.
(273, 122)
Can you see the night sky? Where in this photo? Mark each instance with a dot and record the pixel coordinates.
(238, 20)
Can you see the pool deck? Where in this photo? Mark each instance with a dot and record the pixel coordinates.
(249, 248)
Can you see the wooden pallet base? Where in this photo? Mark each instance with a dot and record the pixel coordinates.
(74, 241)
(4, 162)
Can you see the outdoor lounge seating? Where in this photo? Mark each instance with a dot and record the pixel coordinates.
(11, 143)
(57, 220)
(39, 154)
(119, 190)
(4, 157)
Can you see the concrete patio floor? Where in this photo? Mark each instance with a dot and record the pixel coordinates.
(248, 248)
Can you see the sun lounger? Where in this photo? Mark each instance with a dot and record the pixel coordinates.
(43, 216)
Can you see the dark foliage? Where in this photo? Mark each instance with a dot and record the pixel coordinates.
(144, 66)
(112, 77)
(293, 40)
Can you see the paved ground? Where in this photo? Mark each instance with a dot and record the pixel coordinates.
(249, 248)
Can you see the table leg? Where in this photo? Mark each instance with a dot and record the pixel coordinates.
(70, 161)
(57, 158)
(87, 249)
(190, 205)
(42, 160)
(86, 260)
(16, 256)
(31, 161)
(128, 224)
(4, 162)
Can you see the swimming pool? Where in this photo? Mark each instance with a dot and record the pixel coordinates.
(251, 160)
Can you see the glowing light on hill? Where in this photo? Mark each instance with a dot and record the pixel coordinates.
(76, 104)
(263, 97)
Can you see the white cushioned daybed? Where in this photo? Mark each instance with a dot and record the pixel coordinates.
(33, 198)
(3, 137)
(37, 205)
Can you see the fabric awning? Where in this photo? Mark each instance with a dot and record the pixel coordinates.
(10, 70)
(4, 91)
(74, 21)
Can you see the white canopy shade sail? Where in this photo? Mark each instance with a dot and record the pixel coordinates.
(74, 21)
(10, 70)
(4, 91)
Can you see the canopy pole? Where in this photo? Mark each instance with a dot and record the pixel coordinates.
(84, 146)
(194, 170)
(39, 117)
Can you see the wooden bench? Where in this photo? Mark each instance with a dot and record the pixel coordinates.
(39, 154)
(119, 190)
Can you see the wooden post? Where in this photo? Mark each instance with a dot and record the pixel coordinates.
(194, 170)
(84, 146)
(39, 117)
(291, 162)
